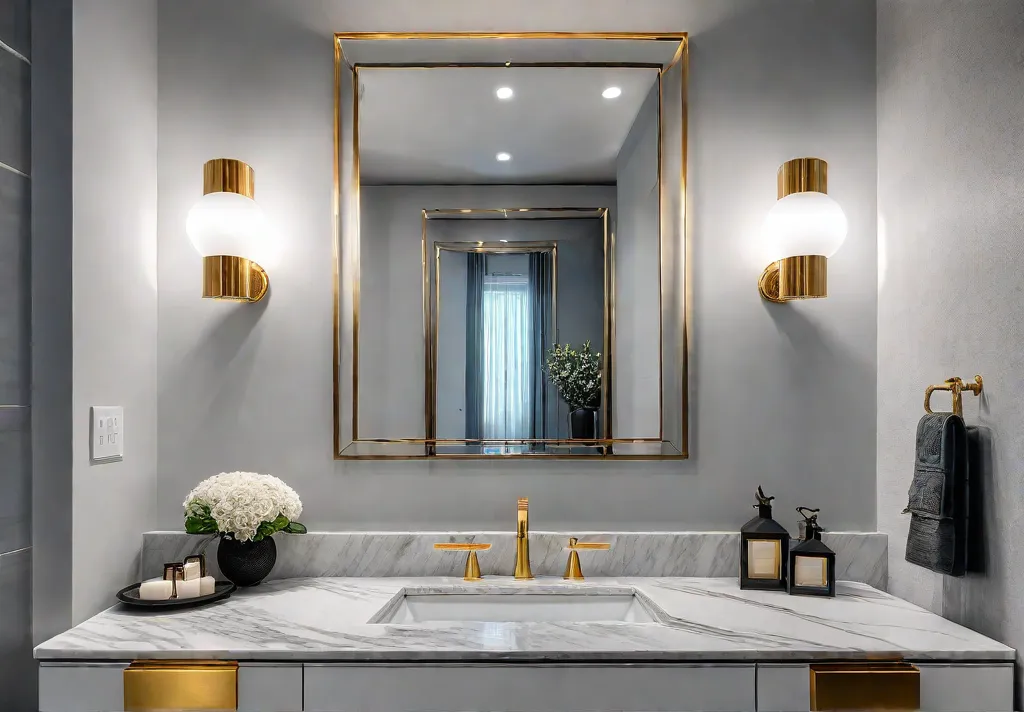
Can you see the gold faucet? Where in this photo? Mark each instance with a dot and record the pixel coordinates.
(523, 540)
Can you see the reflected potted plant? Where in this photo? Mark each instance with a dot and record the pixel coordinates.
(245, 509)
(576, 373)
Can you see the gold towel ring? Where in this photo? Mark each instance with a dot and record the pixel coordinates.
(955, 385)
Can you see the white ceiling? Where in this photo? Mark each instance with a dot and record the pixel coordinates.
(445, 125)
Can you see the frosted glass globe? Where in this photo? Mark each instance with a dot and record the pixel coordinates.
(231, 224)
(805, 224)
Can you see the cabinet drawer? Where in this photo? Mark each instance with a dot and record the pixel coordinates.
(944, 687)
(154, 686)
(528, 688)
(865, 686)
(956, 687)
(81, 687)
(269, 687)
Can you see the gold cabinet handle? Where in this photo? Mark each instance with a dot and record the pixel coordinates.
(153, 685)
(573, 572)
(865, 686)
(472, 572)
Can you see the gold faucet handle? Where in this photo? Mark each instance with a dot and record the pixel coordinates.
(472, 572)
(573, 572)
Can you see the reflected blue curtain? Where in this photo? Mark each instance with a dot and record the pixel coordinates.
(476, 270)
(541, 338)
(508, 359)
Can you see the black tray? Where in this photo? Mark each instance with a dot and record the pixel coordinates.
(130, 595)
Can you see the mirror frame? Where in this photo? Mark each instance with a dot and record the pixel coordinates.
(416, 448)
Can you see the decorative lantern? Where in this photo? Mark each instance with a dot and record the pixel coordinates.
(812, 565)
(764, 549)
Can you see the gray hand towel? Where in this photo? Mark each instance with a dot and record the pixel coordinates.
(938, 501)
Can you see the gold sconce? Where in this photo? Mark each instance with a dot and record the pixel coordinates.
(228, 228)
(805, 227)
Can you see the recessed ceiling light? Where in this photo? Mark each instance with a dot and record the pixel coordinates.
(502, 240)
(466, 210)
(504, 156)
(611, 92)
(523, 210)
(504, 92)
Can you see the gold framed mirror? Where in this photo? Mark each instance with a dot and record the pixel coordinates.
(502, 126)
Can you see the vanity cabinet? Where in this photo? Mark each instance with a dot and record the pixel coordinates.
(441, 687)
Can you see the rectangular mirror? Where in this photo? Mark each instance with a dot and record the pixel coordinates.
(511, 254)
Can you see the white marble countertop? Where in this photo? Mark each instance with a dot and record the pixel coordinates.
(708, 619)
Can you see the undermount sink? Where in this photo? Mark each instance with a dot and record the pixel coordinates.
(622, 607)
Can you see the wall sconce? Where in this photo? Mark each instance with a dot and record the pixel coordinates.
(805, 228)
(229, 230)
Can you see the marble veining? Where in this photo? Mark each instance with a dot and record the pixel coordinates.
(704, 619)
(860, 556)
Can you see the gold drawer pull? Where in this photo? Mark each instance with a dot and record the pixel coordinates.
(472, 572)
(181, 685)
(865, 686)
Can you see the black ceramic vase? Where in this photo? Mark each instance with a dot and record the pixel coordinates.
(246, 563)
(583, 424)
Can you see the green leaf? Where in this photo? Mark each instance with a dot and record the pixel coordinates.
(200, 525)
(295, 528)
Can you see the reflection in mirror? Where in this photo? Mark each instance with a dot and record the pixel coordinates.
(489, 213)
(507, 289)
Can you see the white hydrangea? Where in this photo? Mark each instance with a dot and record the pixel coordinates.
(240, 501)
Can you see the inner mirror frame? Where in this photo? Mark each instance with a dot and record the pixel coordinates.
(675, 322)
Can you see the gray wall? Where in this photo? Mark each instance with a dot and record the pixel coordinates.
(637, 257)
(17, 671)
(114, 290)
(781, 395)
(951, 226)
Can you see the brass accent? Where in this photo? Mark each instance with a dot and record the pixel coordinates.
(472, 572)
(681, 55)
(803, 175)
(865, 686)
(233, 278)
(768, 284)
(335, 249)
(777, 572)
(522, 569)
(957, 386)
(804, 277)
(180, 685)
(664, 36)
(227, 175)
(573, 572)
(356, 292)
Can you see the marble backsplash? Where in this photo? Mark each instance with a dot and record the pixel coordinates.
(860, 556)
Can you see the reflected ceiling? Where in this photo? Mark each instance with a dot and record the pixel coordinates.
(446, 125)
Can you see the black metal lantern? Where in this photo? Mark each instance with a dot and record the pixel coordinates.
(812, 565)
(764, 549)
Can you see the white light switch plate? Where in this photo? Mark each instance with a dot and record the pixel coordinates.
(107, 433)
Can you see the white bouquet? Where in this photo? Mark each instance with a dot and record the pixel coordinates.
(243, 505)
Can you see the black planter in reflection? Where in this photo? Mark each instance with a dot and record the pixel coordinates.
(583, 424)
(246, 563)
